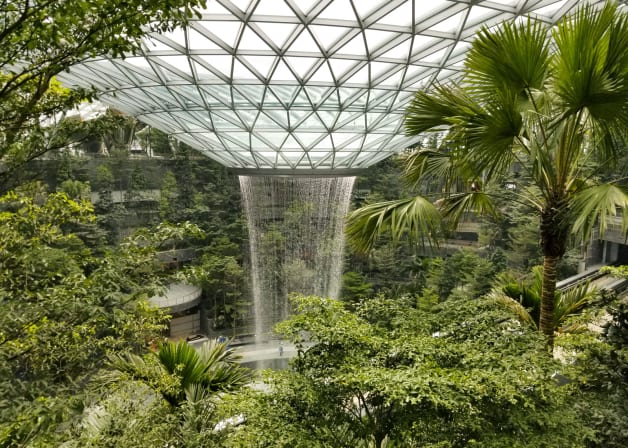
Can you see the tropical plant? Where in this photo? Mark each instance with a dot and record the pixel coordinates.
(180, 373)
(549, 101)
(524, 298)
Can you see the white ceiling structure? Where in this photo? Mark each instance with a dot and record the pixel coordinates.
(298, 85)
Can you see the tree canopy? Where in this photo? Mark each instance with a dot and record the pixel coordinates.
(39, 40)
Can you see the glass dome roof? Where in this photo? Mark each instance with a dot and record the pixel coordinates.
(298, 85)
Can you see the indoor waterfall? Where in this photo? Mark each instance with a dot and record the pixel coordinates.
(296, 239)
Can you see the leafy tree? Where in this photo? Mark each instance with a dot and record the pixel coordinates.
(460, 375)
(167, 199)
(549, 98)
(599, 367)
(62, 310)
(223, 281)
(39, 40)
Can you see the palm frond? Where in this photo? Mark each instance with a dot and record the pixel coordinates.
(426, 162)
(571, 301)
(455, 207)
(492, 135)
(416, 217)
(182, 360)
(597, 205)
(514, 58)
(440, 108)
(513, 306)
(590, 69)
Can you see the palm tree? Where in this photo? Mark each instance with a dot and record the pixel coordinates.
(179, 372)
(549, 100)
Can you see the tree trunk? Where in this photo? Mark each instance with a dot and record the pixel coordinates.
(546, 324)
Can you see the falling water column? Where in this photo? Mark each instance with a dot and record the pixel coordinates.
(296, 238)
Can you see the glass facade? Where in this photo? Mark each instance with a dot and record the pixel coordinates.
(298, 85)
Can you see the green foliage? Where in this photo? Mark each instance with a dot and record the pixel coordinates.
(41, 40)
(180, 373)
(599, 366)
(460, 375)
(62, 310)
(556, 115)
(616, 271)
(524, 298)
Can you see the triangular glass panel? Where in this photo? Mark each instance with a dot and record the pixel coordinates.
(422, 43)
(355, 47)
(265, 122)
(282, 93)
(311, 123)
(278, 33)
(178, 63)
(350, 120)
(177, 36)
(322, 75)
(479, 14)
(401, 16)
(326, 35)
(308, 139)
(305, 5)
(262, 64)
(338, 9)
(280, 117)
(250, 41)
(242, 5)
(272, 8)
(305, 43)
(217, 94)
(401, 51)
(373, 140)
(365, 8)
(214, 8)
(282, 73)
(445, 74)
(436, 57)
(318, 94)
(199, 42)
(359, 78)
(302, 100)
(240, 101)
(549, 10)
(325, 144)
(291, 144)
(225, 31)
(346, 93)
(138, 61)
(341, 66)
(154, 43)
(394, 80)
(253, 92)
(328, 118)
(451, 24)
(240, 139)
(275, 139)
(240, 71)
(221, 63)
(377, 38)
(340, 139)
(301, 66)
(379, 68)
(201, 72)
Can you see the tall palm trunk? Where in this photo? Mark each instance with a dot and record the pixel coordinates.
(548, 289)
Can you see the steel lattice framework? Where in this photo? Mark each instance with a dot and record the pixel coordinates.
(298, 85)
